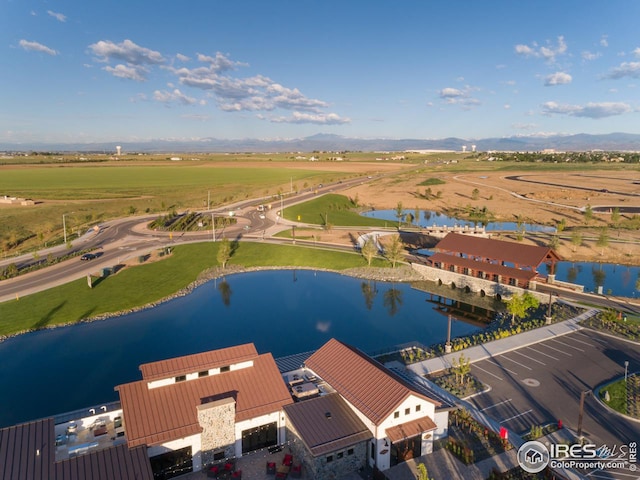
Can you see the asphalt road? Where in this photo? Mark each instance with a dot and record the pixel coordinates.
(542, 383)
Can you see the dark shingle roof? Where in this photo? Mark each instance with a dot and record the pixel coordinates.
(326, 424)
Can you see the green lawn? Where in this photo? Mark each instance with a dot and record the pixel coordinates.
(617, 394)
(340, 210)
(144, 284)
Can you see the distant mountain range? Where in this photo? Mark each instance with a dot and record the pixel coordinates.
(330, 142)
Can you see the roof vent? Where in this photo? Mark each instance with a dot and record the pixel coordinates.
(327, 414)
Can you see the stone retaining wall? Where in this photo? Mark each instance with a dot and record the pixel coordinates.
(476, 285)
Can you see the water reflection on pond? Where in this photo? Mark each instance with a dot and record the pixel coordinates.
(282, 312)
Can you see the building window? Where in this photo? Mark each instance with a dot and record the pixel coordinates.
(181, 378)
(373, 450)
(350, 451)
(418, 407)
(204, 373)
(219, 455)
(226, 368)
(407, 411)
(396, 414)
(329, 458)
(339, 455)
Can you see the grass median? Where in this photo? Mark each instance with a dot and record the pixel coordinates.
(144, 284)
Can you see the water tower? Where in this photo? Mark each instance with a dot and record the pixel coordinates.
(473, 148)
(118, 150)
(464, 148)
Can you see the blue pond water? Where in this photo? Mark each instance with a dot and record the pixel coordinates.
(428, 218)
(282, 312)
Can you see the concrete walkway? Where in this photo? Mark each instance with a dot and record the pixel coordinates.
(503, 345)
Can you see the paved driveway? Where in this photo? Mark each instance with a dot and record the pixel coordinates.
(542, 383)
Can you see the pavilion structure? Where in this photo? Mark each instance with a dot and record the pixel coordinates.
(500, 261)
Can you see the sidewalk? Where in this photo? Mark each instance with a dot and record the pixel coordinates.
(503, 345)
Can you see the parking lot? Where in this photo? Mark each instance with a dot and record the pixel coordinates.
(542, 383)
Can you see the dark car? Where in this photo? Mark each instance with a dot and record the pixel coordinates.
(88, 256)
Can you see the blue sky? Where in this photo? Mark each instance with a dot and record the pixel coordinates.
(77, 71)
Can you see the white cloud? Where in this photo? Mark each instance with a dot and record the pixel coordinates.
(182, 58)
(126, 51)
(636, 51)
(558, 78)
(58, 16)
(587, 55)
(548, 52)
(456, 96)
(175, 96)
(524, 126)
(590, 110)
(506, 106)
(220, 63)
(320, 118)
(194, 116)
(626, 69)
(37, 47)
(130, 72)
(604, 42)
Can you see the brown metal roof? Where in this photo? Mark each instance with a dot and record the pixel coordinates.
(321, 433)
(27, 451)
(478, 266)
(115, 462)
(373, 389)
(512, 252)
(157, 415)
(410, 429)
(197, 362)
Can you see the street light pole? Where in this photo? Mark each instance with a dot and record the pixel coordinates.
(626, 369)
(213, 227)
(64, 227)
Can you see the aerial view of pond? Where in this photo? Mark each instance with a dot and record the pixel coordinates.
(428, 218)
(618, 280)
(282, 311)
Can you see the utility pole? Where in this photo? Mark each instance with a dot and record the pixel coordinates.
(213, 227)
(64, 227)
(583, 394)
(447, 346)
(209, 200)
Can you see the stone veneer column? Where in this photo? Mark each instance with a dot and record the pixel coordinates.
(217, 420)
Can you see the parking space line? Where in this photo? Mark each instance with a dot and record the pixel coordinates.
(503, 368)
(517, 363)
(516, 416)
(542, 353)
(566, 345)
(530, 358)
(595, 339)
(580, 341)
(486, 371)
(495, 405)
(559, 351)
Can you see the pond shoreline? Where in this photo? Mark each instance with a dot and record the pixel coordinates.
(403, 273)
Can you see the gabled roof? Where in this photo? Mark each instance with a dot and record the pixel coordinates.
(158, 415)
(326, 424)
(492, 268)
(370, 387)
(410, 429)
(198, 361)
(27, 452)
(512, 252)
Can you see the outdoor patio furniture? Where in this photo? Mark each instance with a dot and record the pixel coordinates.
(296, 471)
(271, 468)
(228, 467)
(212, 472)
(237, 474)
(281, 475)
(287, 460)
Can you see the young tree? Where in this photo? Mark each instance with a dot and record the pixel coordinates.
(603, 240)
(475, 194)
(588, 213)
(224, 252)
(393, 252)
(461, 368)
(518, 305)
(576, 239)
(399, 212)
(369, 249)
